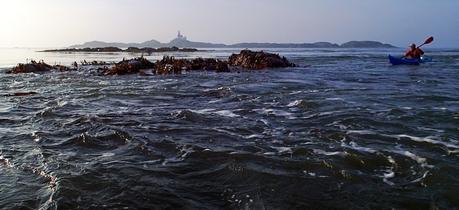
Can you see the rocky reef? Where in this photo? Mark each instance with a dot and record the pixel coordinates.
(171, 65)
(246, 59)
(36, 67)
(258, 60)
(132, 66)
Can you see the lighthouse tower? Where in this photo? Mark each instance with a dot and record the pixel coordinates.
(180, 36)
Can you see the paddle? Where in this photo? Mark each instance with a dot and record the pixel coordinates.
(428, 41)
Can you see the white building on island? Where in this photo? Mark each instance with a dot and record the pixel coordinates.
(180, 36)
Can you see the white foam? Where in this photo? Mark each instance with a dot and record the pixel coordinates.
(224, 113)
(388, 175)
(108, 154)
(361, 132)
(431, 129)
(276, 112)
(413, 156)
(322, 152)
(428, 139)
(254, 136)
(227, 113)
(282, 150)
(420, 178)
(295, 92)
(203, 111)
(295, 103)
(334, 99)
(355, 146)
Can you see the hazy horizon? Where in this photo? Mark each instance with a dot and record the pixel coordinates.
(54, 23)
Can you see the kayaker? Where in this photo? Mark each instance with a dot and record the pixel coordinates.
(414, 52)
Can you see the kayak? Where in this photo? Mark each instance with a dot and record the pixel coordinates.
(407, 61)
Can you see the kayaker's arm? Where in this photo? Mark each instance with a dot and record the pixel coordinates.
(421, 52)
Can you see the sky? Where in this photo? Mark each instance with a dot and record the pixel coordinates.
(60, 23)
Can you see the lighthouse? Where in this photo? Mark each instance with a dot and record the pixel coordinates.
(180, 36)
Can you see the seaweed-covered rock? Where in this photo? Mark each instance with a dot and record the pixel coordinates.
(32, 67)
(169, 65)
(209, 64)
(258, 60)
(132, 66)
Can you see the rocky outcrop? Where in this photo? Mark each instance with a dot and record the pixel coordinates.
(170, 65)
(258, 60)
(37, 67)
(132, 66)
(209, 64)
(246, 59)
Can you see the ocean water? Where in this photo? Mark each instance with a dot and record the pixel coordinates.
(344, 130)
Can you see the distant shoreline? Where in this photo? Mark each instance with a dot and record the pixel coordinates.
(182, 42)
(116, 49)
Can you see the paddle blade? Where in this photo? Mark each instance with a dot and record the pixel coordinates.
(429, 40)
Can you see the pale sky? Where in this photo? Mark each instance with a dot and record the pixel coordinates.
(60, 23)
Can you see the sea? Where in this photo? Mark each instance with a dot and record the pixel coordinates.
(343, 130)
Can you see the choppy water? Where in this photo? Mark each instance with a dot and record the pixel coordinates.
(344, 131)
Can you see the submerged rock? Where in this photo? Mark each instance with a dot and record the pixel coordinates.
(132, 66)
(20, 94)
(258, 60)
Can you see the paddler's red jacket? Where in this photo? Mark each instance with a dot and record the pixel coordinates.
(414, 53)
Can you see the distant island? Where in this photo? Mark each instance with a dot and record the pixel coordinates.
(147, 50)
(182, 42)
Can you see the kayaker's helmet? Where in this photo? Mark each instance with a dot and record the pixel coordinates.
(413, 46)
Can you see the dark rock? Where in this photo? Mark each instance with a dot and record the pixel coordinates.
(21, 94)
(62, 68)
(37, 67)
(33, 66)
(24, 93)
(170, 65)
(209, 64)
(258, 60)
(132, 66)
